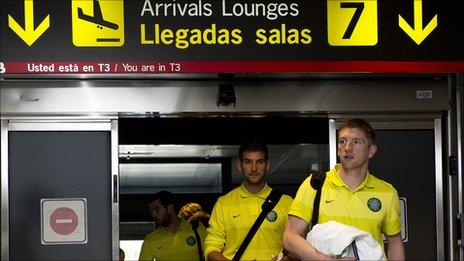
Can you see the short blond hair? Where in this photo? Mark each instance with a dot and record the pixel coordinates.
(361, 124)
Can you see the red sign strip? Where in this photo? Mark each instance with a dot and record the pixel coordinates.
(160, 67)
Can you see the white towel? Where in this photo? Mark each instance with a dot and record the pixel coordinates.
(333, 238)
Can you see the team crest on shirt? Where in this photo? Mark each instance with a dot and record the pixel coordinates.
(271, 216)
(374, 204)
(190, 241)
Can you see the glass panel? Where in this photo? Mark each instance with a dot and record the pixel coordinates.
(146, 178)
(290, 164)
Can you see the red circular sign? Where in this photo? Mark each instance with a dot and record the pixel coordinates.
(63, 221)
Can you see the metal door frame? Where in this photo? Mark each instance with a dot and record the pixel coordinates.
(59, 124)
(459, 102)
(431, 122)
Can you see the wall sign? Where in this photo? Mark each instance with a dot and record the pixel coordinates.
(404, 219)
(63, 221)
(219, 36)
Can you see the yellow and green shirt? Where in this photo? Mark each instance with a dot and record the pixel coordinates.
(372, 207)
(164, 245)
(232, 217)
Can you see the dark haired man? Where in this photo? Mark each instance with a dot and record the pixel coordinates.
(173, 238)
(234, 213)
(350, 195)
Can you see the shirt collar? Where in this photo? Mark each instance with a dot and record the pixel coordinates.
(334, 177)
(184, 224)
(244, 193)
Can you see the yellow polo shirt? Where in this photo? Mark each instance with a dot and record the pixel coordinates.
(372, 207)
(164, 245)
(232, 217)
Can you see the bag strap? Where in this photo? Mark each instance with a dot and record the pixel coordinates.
(355, 250)
(198, 238)
(267, 206)
(317, 180)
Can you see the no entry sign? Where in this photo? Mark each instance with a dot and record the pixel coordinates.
(64, 221)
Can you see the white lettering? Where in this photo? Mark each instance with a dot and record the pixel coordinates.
(104, 67)
(197, 8)
(87, 68)
(271, 11)
(147, 8)
(224, 11)
(148, 68)
(2, 68)
(68, 68)
(32, 67)
(129, 67)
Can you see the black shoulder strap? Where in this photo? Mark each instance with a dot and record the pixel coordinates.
(198, 238)
(317, 180)
(267, 206)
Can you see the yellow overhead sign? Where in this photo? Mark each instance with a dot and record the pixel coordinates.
(352, 22)
(98, 23)
(417, 32)
(29, 34)
(230, 36)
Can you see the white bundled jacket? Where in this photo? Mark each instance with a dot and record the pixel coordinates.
(334, 238)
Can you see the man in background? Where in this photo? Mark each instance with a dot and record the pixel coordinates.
(173, 237)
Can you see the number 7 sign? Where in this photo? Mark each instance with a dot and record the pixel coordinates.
(352, 22)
